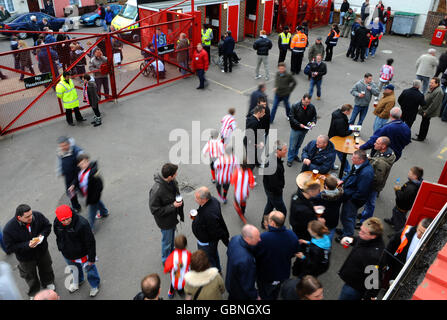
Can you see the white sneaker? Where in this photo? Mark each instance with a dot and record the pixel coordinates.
(257, 77)
(73, 287)
(51, 286)
(94, 292)
(222, 70)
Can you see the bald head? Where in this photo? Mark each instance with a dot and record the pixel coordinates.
(276, 219)
(202, 195)
(251, 234)
(382, 144)
(47, 294)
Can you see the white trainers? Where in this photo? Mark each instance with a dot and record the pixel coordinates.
(51, 287)
(258, 77)
(73, 287)
(94, 292)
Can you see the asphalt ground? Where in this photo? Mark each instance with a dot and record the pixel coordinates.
(134, 142)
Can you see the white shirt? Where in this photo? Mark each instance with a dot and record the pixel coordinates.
(161, 66)
(414, 243)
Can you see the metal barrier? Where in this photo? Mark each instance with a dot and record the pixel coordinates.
(130, 67)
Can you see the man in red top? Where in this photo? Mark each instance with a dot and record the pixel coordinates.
(200, 64)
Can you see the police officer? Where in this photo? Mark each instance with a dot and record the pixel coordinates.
(284, 43)
(207, 36)
(298, 46)
(66, 91)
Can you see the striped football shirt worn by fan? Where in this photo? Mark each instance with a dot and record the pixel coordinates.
(225, 167)
(178, 265)
(228, 126)
(243, 181)
(214, 148)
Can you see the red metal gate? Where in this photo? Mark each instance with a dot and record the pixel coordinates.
(293, 13)
(128, 71)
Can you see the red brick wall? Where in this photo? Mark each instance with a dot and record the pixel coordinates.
(433, 19)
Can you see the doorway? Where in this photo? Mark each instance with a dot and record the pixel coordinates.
(251, 18)
(33, 6)
(212, 19)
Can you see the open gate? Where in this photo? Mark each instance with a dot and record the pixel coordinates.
(293, 13)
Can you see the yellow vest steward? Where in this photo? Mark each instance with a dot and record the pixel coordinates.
(206, 37)
(285, 39)
(67, 93)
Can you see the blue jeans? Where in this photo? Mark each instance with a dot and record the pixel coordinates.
(276, 102)
(373, 51)
(331, 234)
(370, 205)
(425, 82)
(342, 14)
(274, 201)
(349, 293)
(379, 123)
(211, 252)
(93, 209)
(363, 110)
(1, 241)
(331, 17)
(347, 165)
(92, 273)
(167, 243)
(295, 142)
(201, 75)
(104, 25)
(348, 216)
(314, 82)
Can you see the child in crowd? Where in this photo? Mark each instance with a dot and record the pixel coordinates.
(214, 148)
(178, 265)
(386, 74)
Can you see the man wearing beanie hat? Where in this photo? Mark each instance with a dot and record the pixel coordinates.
(384, 106)
(19, 236)
(76, 242)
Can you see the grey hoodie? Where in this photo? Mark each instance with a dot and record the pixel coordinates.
(361, 86)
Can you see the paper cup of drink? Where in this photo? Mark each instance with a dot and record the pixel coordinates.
(315, 172)
(347, 242)
(319, 210)
(193, 214)
(178, 198)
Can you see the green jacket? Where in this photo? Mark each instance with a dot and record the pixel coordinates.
(284, 84)
(433, 102)
(352, 16)
(381, 163)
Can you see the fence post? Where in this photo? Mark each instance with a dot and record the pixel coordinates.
(53, 73)
(109, 53)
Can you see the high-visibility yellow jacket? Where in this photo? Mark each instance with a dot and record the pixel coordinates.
(284, 39)
(207, 36)
(67, 93)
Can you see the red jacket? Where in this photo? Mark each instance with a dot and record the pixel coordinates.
(200, 60)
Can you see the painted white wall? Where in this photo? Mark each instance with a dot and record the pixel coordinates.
(420, 7)
(20, 6)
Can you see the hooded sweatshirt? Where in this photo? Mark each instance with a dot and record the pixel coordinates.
(316, 258)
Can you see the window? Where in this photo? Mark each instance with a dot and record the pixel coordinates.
(75, 2)
(8, 5)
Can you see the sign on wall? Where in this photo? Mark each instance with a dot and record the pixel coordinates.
(38, 80)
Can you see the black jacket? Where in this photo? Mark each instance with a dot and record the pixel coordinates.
(16, 237)
(331, 200)
(320, 68)
(396, 262)
(75, 240)
(339, 125)
(254, 124)
(363, 254)
(274, 183)
(442, 65)
(262, 46)
(360, 38)
(300, 116)
(301, 213)
(409, 101)
(344, 6)
(315, 263)
(68, 163)
(255, 95)
(95, 185)
(265, 120)
(228, 45)
(209, 225)
(161, 203)
(407, 194)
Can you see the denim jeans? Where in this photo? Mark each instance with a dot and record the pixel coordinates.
(1, 241)
(363, 110)
(274, 201)
(331, 17)
(425, 82)
(314, 82)
(211, 252)
(93, 209)
(295, 142)
(370, 205)
(342, 14)
(331, 234)
(104, 25)
(371, 50)
(167, 243)
(379, 123)
(349, 293)
(276, 102)
(347, 165)
(92, 273)
(348, 216)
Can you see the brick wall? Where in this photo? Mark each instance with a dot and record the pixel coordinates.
(260, 17)
(242, 20)
(223, 20)
(202, 15)
(433, 19)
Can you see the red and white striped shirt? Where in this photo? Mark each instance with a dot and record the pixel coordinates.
(386, 73)
(178, 265)
(228, 126)
(243, 181)
(225, 167)
(214, 148)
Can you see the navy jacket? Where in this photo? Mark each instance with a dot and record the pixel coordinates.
(68, 164)
(44, 61)
(241, 270)
(209, 225)
(357, 185)
(398, 132)
(322, 160)
(228, 45)
(278, 245)
(262, 46)
(301, 213)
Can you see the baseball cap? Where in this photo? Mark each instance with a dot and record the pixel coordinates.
(389, 86)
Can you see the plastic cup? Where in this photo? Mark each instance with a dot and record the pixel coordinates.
(314, 173)
(193, 214)
(178, 198)
(347, 243)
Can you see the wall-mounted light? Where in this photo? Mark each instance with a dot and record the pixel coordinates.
(226, 5)
(263, 1)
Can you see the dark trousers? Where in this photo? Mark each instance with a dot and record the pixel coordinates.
(282, 55)
(211, 252)
(408, 119)
(37, 273)
(423, 129)
(104, 82)
(360, 51)
(96, 111)
(274, 201)
(228, 62)
(74, 200)
(30, 67)
(226, 186)
(268, 291)
(208, 49)
(329, 51)
(69, 115)
(201, 75)
(296, 62)
(351, 51)
(398, 219)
